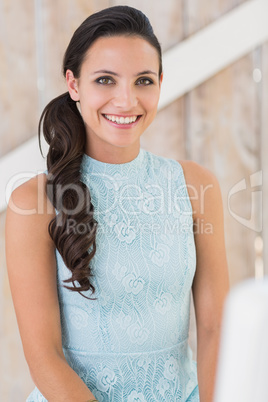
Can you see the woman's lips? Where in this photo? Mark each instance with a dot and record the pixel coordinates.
(122, 121)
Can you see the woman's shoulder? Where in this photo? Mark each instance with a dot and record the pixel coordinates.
(202, 185)
(196, 174)
(28, 216)
(31, 196)
(30, 199)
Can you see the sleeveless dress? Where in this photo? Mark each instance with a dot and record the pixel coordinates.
(131, 344)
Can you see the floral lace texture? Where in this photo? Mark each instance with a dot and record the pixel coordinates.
(131, 344)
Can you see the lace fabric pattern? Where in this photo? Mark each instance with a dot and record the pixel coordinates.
(131, 344)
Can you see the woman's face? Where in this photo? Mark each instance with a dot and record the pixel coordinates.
(118, 90)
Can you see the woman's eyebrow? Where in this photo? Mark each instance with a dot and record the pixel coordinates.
(147, 72)
(106, 72)
(117, 75)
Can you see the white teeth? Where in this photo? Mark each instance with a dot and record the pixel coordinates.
(121, 120)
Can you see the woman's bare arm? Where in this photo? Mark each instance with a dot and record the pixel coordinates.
(211, 281)
(31, 265)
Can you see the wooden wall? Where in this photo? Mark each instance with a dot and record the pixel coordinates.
(264, 148)
(221, 124)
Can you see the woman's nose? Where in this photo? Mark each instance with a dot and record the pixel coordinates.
(125, 97)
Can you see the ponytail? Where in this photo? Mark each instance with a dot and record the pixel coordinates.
(64, 131)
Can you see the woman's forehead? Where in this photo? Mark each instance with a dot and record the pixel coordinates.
(116, 50)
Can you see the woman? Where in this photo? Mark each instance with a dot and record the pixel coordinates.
(104, 248)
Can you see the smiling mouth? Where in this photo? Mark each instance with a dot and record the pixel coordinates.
(120, 120)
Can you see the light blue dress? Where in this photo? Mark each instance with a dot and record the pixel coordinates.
(131, 344)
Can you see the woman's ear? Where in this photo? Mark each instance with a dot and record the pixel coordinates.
(72, 85)
(161, 79)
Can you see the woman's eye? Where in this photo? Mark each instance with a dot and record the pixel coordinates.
(105, 81)
(144, 81)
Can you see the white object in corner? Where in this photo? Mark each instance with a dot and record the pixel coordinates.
(243, 359)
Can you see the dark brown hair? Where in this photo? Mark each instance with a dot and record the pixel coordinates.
(64, 131)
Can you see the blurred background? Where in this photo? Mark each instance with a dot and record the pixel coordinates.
(214, 110)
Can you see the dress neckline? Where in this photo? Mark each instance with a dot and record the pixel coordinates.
(90, 165)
